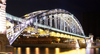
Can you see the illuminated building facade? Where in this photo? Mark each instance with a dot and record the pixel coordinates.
(3, 38)
(2, 16)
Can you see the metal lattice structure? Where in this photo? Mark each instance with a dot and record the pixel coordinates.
(56, 19)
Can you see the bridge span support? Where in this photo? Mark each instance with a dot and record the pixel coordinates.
(4, 44)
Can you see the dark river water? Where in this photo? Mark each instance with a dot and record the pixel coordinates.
(37, 50)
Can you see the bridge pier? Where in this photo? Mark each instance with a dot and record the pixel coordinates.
(82, 45)
(4, 44)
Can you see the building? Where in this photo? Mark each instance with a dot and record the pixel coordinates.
(3, 39)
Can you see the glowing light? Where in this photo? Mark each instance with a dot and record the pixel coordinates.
(32, 33)
(83, 41)
(45, 26)
(57, 33)
(37, 50)
(97, 50)
(88, 44)
(44, 18)
(11, 53)
(77, 44)
(19, 50)
(89, 51)
(57, 50)
(14, 50)
(77, 51)
(18, 37)
(27, 36)
(46, 50)
(27, 50)
(28, 31)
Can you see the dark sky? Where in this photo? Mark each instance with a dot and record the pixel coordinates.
(86, 11)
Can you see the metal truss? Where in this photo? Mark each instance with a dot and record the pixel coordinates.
(56, 19)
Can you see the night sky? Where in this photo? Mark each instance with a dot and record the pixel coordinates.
(86, 11)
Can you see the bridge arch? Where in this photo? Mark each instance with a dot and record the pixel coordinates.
(59, 14)
(58, 20)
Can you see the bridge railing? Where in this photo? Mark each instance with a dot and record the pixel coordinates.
(14, 32)
(15, 18)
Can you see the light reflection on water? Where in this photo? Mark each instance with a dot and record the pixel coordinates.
(46, 50)
(37, 50)
(19, 50)
(76, 51)
(97, 51)
(27, 50)
(57, 50)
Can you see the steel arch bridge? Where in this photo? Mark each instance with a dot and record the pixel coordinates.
(58, 20)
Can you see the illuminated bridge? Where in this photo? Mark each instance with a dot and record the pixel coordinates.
(57, 24)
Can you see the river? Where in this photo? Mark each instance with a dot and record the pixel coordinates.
(37, 50)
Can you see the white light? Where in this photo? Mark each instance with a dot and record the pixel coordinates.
(77, 44)
(32, 33)
(88, 44)
(28, 22)
(83, 41)
(26, 35)
(28, 32)
(44, 17)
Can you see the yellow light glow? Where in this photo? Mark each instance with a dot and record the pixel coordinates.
(58, 34)
(27, 36)
(62, 35)
(26, 15)
(29, 29)
(27, 50)
(19, 50)
(46, 50)
(77, 51)
(41, 32)
(40, 29)
(57, 50)
(18, 37)
(97, 51)
(53, 34)
(14, 50)
(68, 36)
(37, 50)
